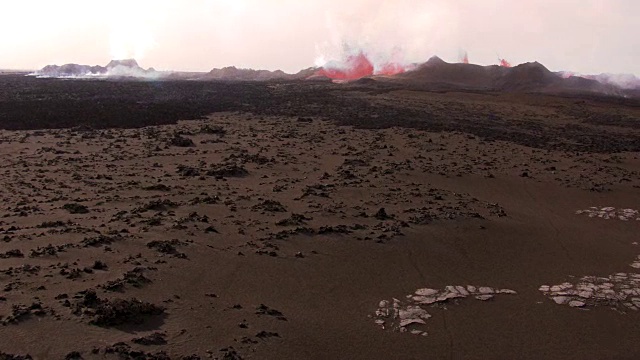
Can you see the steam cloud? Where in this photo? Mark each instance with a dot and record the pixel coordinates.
(393, 37)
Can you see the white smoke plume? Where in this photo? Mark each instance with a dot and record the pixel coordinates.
(132, 25)
(400, 32)
(623, 81)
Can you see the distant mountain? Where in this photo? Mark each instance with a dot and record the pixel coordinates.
(438, 72)
(532, 75)
(231, 73)
(434, 74)
(71, 70)
(131, 68)
(128, 63)
(528, 77)
(234, 74)
(115, 68)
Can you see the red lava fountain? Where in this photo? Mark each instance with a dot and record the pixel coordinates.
(355, 67)
(505, 63)
(358, 66)
(465, 58)
(391, 69)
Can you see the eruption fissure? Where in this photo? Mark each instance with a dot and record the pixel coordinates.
(360, 65)
(505, 63)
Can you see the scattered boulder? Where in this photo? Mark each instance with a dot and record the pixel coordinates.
(133, 278)
(382, 215)
(227, 170)
(6, 356)
(74, 208)
(269, 206)
(180, 141)
(11, 254)
(265, 310)
(294, 220)
(167, 247)
(156, 205)
(156, 338)
(119, 312)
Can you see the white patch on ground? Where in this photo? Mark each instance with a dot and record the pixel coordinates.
(621, 291)
(611, 213)
(405, 316)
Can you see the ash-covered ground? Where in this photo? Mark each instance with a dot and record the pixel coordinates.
(231, 220)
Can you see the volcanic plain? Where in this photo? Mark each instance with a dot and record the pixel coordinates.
(312, 220)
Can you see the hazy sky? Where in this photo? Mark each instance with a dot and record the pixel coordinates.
(587, 36)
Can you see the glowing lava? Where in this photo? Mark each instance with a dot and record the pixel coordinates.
(505, 63)
(391, 69)
(465, 58)
(359, 66)
(355, 67)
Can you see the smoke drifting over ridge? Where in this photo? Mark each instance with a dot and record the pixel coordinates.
(126, 68)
